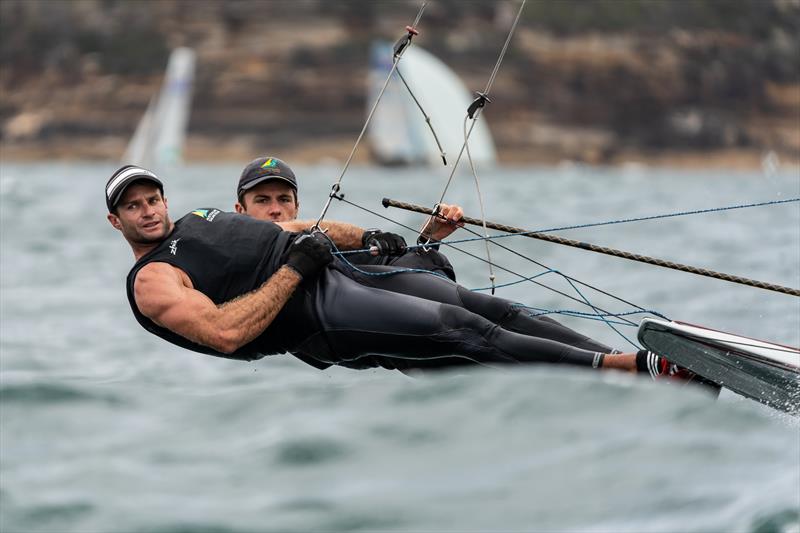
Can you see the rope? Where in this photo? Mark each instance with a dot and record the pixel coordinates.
(598, 314)
(523, 278)
(610, 222)
(607, 223)
(473, 112)
(480, 204)
(483, 97)
(400, 47)
(609, 251)
(424, 114)
(668, 215)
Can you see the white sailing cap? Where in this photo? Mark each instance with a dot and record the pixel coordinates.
(123, 177)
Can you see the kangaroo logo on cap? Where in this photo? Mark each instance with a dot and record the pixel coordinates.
(269, 163)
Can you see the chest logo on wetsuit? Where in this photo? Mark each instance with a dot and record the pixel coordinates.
(207, 214)
(173, 246)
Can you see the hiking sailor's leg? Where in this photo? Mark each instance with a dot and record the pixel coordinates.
(498, 310)
(366, 326)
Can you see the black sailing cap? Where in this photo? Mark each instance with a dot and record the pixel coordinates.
(122, 178)
(263, 169)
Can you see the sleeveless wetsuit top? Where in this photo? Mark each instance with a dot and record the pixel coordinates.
(225, 255)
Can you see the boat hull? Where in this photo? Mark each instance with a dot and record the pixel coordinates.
(766, 372)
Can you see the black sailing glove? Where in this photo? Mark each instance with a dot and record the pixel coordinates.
(308, 254)
(386, 243)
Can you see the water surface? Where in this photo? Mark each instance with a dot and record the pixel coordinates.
(106, 428)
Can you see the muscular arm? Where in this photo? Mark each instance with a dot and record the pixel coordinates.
(165, 295)
(345, 236)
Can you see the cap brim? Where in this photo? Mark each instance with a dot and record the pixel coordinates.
(262, 179)
(117, 187)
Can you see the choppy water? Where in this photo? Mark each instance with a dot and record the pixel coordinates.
(104, 428)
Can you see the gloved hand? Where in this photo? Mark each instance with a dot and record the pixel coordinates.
(309, 253)
(386, 243)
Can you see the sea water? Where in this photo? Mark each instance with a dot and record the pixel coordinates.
(105, 428)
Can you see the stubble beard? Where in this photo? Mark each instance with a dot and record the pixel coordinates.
(135, 236)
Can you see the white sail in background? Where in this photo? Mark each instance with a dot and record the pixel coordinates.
(158, 140)
(398, 132)
(137, 147)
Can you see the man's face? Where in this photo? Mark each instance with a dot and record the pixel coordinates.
(142, 214)
(272, 200)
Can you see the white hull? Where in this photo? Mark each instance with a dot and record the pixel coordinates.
(764, 371)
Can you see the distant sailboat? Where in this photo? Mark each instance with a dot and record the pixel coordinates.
(398, 133)
(158, 140)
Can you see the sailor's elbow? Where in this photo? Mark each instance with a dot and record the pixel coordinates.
(227, 341)
(226, 349)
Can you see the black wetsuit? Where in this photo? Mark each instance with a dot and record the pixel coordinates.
(421, 259)
(406, 320)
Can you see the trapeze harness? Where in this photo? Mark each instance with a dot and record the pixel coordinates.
(380, 316)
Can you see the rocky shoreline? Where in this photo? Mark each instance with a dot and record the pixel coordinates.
(207, 150)
(723, 93)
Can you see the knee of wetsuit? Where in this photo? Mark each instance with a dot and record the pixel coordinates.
(440, 263)
(430, 260)
(494, 309)
(454, 317)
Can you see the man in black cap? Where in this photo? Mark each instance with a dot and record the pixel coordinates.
(267, 190)
(232, 286)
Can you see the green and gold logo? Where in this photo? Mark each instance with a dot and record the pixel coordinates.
(206, 214)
